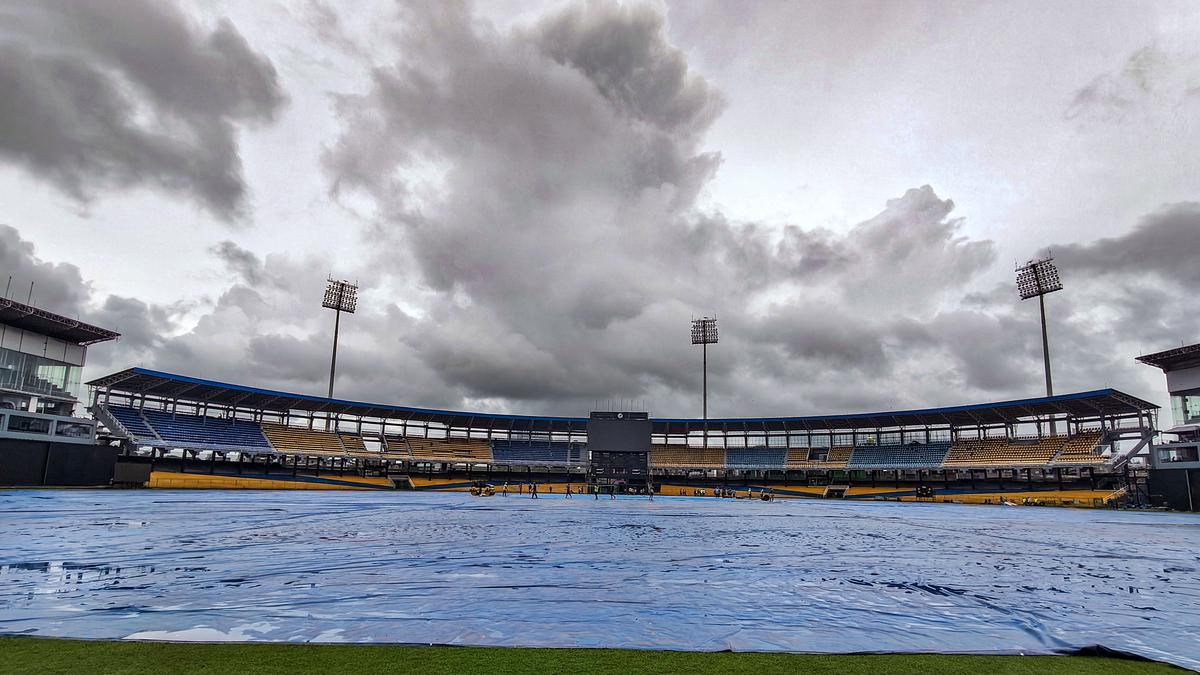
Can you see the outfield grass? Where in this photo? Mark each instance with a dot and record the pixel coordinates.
(20, 655)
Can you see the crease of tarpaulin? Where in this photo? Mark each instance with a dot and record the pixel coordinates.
(675, 573)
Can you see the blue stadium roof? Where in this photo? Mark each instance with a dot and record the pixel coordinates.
(1081, 405)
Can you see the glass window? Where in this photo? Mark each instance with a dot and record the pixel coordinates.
(28, 425)
(38, 375)
(50, 406)
(73, 430)
(1185, 408)
(1181, 454)
(14, 402)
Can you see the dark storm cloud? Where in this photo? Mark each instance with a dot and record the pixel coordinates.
(1145, 280)
(1165, 244)
(58, 287)
(144, 329)
(620, 49)
(241, 262)
(127, 93)
(563, 234)
(819, 334)
(1123, 296)
(535, 190)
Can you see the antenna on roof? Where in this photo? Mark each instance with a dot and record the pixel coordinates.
(8, 286)
(29, 300)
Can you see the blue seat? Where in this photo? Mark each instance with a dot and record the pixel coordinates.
(205, 430)
(131, 419)
(550, 452)
(756, 458)
(911, 456)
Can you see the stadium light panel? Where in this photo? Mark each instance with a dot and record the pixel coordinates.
(341, 296)
(704, 331)
(1038, 277)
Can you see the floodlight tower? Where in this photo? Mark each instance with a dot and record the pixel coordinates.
(340, 296)
(1036, 278)
(704, 333)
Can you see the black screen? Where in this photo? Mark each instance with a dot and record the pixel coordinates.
(619, 435)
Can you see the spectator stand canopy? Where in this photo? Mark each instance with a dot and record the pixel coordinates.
(57, 326)
(1107, 408)
(1178, 358)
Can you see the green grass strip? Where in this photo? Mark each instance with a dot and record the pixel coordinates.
(19, 655)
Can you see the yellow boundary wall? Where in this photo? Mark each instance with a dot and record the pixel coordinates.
(201, 481)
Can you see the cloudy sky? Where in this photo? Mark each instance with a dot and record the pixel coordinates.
(537, 196)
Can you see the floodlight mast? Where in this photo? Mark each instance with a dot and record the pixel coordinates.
(704, 333)
(340, 296)
(1037, 278)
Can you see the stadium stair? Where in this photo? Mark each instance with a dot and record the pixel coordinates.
(127, 421)
(397, 448)
(810, 458)
(1080, 449)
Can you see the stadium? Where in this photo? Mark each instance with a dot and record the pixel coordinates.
(544, 200)
(191, 432)
(165, 430)
(168, 430)
(240, 453)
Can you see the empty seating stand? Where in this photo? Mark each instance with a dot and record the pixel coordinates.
(685, 457)
(355, 447)
(819, 458)
(910, 456)
(452, 450)
(201, 431)
(132, 420)
(1003, 452)
(539, 452)
(756, 458)
(1081, 449)
(352, 443)
(797, 458)
(300, 441)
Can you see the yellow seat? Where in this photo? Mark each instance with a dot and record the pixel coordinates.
(472, 450)
(837, 458)
(299, 441)
(684, 457)
(1081, 449)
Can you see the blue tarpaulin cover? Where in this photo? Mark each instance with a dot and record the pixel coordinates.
(673, 573)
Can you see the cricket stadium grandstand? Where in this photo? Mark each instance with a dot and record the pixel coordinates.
(191, 432)
(167, 430)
